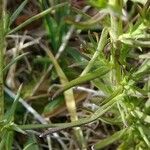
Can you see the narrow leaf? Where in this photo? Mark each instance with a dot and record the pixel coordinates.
(15, 60)
(11, 112)
(84, 121)
(17, 12)
(36, 17)
(109, 140)
(16, 128)
(88, 77)
(29, 146)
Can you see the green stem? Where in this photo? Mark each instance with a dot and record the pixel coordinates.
(69, 98)
(82, 79)
(101, 45)
(115, 31)
(116, 96)
(2, 47)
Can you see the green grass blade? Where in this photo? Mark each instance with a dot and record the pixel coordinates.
(14, 61)
(93, 117)
(145, 138)
(36, 17)
(32, 143)
(101, 44)
(29, 146)
(109, 140)
(3, 141)
(88, 77)
(69, 97)
(10, 114)
(17, 12)
(9, 140)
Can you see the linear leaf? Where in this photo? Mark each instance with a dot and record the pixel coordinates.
(10, 114)
(89, 76)
(17, 12)
(36, 17)
(109, 140)
(15, 60)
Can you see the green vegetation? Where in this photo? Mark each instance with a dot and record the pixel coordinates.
(74, 74)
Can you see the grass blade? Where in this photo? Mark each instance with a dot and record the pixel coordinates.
(17, 12)
(109, 140)
(88, 77)
(11, 112)
(36, 17)
(15, 60)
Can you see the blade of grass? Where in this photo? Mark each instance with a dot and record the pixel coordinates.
(116, 97)
(36, 17)
(145, 138)
(109, 140)
(36, 115)
(3, 141)
(2, 49)
(99, 49)
(11, 113)
(9, 140)
(69, 97)
(89, 119)
(30, 146)
(17, 12)
(14, 61)
(88, 77)
(85, 24)
(60, 50)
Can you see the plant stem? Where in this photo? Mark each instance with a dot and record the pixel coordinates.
(101, 44)
(2, 47)
(116, 96)
(82, 79)
(69, 98)
(115, 31)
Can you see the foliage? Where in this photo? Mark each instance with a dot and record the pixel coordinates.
(95, 64)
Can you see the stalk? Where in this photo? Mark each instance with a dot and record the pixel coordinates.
(2, 48)
(101, 44)
(115, 97)
(115, 31)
